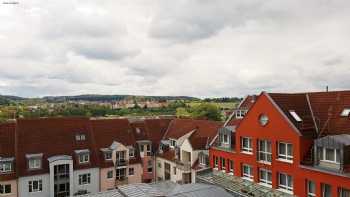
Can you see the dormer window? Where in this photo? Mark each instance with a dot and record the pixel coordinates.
(295, 116)
(331, 155)
(5, 166)
(131, 152)
(83, 156)
(108, 156)
(34, 161)
(345, 112)
(172, 143)
(240, 113)
(80, 137)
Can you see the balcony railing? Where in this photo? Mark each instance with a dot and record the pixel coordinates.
(121, 162)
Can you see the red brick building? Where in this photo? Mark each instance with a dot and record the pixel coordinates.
(295, 143)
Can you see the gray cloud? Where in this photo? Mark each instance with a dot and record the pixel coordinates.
(162, 47)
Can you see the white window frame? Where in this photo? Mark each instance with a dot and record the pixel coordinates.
(34, 163)
(265, 152)
(172, 143)
(223, 141)
(248, 176)
(38, 188)
(266, 181)
(285, 157)
(87, 177)
(80, 137)
(231, 166)
(345, 112)
(223, 163)
(285, 188)
(216, 162)
(3, 189)
(336, 155)
(341, 191)
(249, 148)
(308, 190)
(108, 155)
(131, 152)
(84, 158)
(202, 160)
(6, 167)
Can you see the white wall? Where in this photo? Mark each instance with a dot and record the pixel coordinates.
(93, 187)
(23, 189)
(160, 171)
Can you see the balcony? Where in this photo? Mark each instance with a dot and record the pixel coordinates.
(121, 163)
(183, 165)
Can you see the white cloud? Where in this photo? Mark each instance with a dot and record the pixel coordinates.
(162, 47)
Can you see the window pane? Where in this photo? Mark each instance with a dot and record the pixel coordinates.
(330, 154)
(282, 148)
(290, 149)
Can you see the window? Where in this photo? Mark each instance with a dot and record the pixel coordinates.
(329, 155)
(35, 186)
(224, 138)
(5, 167)
(141, 148)
(174, 169)
(131, 152)
(80, 137)
(149, 169)
(108, 156)
(295, 115)
(285, 182)
(247, 172)
(172, 143)
(311, 189)
(84, 158)
(131, 171)
(265, 154)
(345, 112)
(344, 192)
(223, 163)
(5, 189)
(203, 159)
(34, 163)
(285, 151)
(110, 174)
(240, 113)
(263, 119)
(84, 179)
(216, 162)
(148, 148)
(265, 177)
(326, 190)
(159, 165)
(247, 144)
(231, 167)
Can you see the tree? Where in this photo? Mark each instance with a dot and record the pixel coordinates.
(207, 110)
(182, 112)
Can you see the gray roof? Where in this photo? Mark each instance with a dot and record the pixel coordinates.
(341, 139)
(166, 188)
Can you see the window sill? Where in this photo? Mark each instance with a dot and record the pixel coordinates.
(265, 185)
(285, 160)
(6, 194)
(247, 153)
(248, 179)
(285, 191)
(332, 162)
(265, 162)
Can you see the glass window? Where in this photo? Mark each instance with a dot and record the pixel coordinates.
(247, 144)
(216, 162)
(311, 189)
(285, 182)
(84, 158)
(108, 155)
(172, 143)
(80, 137)
(110, 174)
(34, 163)
(174, 170)
(265, 176)
(35, 186)
(5, 167)
(344, 192)
(131, 152)
(326, 190)
(265, 150)
(285, 151)
(131, 171)
(329, 154)
(84, 179)
(5, 189)
(247, 172)
(223, 163)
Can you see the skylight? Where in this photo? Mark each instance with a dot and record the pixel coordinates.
(295, 116)
(345, 112)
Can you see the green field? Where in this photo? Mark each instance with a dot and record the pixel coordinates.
(227, 105)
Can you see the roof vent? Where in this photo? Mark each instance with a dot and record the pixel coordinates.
(295, 116)
(345, 112)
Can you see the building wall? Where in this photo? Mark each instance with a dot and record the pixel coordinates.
(23, 190)
(105, 183)
(160, 171)
(278, 129)
(137, 177)
(93, 187)
(145, 174)
(13, 184)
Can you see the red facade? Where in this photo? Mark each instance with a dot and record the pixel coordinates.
(278, 129)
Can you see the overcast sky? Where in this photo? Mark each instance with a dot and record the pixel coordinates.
(204, 48)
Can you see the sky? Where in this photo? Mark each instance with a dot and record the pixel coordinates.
(201, 48)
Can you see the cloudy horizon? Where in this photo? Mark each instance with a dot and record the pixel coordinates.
(197, 48)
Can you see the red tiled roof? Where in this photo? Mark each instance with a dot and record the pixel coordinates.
(168, 155)
(7, 146)
(247, 102)
(156, 129)
(205, 131)
(53, 136)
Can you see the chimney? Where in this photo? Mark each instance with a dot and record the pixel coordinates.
(326, 88)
